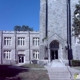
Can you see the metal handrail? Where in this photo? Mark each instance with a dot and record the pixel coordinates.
(67, 68)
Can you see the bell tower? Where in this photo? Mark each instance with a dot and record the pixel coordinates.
(53, 27)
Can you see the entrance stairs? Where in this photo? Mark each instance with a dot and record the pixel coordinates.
(58, 71)
(56, 63)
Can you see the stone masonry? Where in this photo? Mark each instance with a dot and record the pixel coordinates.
(15, 48)
(56, 30)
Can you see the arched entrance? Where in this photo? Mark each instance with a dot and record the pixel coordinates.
(54, 46)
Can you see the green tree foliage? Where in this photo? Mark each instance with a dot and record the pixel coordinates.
(76, 20)
(17, 28)
(23, 28)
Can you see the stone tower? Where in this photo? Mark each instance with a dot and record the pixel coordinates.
(53, 16)
(53, 29)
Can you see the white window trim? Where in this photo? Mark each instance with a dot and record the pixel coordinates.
(36, 41)
(21, 41)
(7, 41)
(7, 54)
(36, 54)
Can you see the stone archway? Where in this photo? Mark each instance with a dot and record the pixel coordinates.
(54, 47)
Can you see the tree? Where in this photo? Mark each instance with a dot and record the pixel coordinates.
(23, 28)
(17, 28)
(26, 28)
(76, 20)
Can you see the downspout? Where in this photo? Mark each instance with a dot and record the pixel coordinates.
(47, 27)
(46, 17)
(70, 22)
(70, 56)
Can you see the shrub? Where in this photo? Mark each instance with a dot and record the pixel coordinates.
(75, 62)
(35, 61)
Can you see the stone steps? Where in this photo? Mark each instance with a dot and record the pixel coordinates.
(59, 75)
(58, 72)
(56, 63)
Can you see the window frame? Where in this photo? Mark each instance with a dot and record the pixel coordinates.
(7, 41)
(35, 41)
(21, 41)
(36, 54)
(7, 54)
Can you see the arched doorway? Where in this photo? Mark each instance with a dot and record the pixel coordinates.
(54, 46)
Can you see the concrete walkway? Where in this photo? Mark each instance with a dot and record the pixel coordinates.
(58, 73)
(61, 72)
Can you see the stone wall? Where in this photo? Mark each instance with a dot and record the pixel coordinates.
(57, 24)
(57, 18)
(42, 28)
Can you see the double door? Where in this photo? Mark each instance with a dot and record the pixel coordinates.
(54, 54)
(21, 59)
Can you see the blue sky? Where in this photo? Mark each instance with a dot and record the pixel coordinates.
(19, 12)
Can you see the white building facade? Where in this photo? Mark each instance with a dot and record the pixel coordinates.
(18, 47)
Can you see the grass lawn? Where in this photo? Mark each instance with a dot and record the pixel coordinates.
(31, 66)
(30, 74)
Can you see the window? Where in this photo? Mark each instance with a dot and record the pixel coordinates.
(36, 41)
(7, 54)
(7, 40)
(35, 54)
(21, 41)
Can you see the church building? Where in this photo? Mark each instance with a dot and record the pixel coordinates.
(54, 41)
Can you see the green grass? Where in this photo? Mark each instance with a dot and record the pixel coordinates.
(31, 74)
(77, 68)
(31, 66)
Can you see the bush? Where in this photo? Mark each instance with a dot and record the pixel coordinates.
(75, 62)
(34, 61)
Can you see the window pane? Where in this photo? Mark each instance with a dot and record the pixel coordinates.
(4, 42)
(23, 42)
(18, 42)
